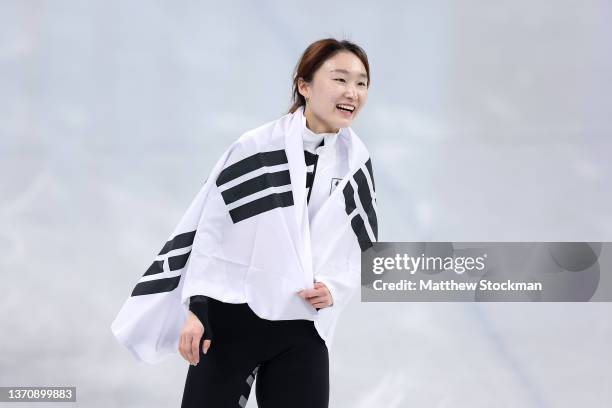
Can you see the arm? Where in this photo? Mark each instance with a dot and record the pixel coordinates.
(196, 329)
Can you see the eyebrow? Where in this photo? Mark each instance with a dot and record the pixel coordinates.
(344, 71)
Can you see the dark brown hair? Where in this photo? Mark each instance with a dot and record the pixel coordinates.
(314, 56)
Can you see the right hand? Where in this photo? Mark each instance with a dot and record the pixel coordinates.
(189, 342)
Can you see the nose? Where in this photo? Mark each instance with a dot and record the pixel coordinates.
(351, 92)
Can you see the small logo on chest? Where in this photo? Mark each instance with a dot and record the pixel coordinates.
(334, 184)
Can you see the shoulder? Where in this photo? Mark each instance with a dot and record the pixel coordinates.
(264, 138)
(268, 134)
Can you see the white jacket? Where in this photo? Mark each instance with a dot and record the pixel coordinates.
(247, 238)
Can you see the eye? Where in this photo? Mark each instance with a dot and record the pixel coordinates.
(339, 79)
(362, 84)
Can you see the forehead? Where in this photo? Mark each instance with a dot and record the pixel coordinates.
(344, 62)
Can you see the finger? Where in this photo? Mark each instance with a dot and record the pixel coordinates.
(182, 348)
(195, 354)
(187, 348)
(316, 299)
(206, 345)
(308, 293)
(322, 299)
(321, 304)
(322, 291)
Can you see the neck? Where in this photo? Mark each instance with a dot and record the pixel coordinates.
(315, 125)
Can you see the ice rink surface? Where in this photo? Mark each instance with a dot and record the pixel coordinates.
(487, 121)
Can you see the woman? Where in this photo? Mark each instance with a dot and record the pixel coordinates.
(268, 254)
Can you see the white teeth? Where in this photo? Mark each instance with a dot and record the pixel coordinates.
(346, 107)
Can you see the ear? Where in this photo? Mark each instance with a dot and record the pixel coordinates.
(303, 88)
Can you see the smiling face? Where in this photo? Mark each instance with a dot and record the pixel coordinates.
(336, 94)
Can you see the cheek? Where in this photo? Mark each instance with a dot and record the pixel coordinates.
(333, 92)
(331, 95)
(325, 98)
(327, 103)
(363, 97)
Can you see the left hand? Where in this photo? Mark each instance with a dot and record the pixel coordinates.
(319, 297)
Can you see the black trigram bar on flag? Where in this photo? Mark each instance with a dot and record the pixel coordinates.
(175, 263)
(361, 205)
(256, 184)
(311, 160)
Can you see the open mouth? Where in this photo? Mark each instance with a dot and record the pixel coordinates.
(346, 109)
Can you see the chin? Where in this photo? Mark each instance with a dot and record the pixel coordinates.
(336, 124)
(341, 123)
(345, 123)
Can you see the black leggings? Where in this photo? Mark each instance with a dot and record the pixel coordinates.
(288, 357)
